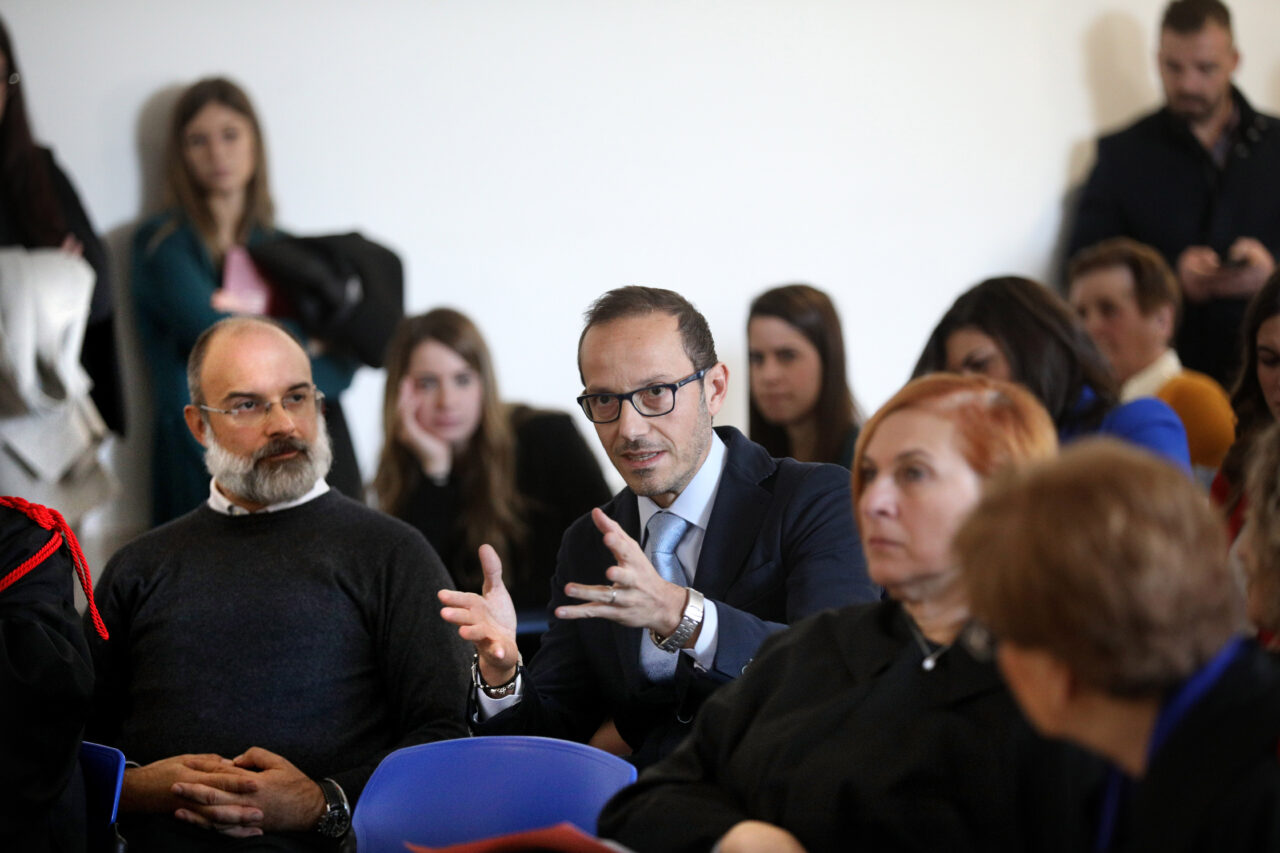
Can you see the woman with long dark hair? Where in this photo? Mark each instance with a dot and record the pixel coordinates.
(1259, 539)
(40, 208)
(1014, 329)
(801, 405)
(1255, 398)
(467, 469)
(219, 202)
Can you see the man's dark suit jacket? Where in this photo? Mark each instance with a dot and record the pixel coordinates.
(781, 545)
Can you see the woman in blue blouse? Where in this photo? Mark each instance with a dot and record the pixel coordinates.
(1015, 329)
(218, 202)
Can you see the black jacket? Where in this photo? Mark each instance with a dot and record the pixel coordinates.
(46, 680)
(1215, 783)
(1155, 182)
(838, 735)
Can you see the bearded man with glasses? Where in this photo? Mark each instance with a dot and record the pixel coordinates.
(665, 593)
(271, 646)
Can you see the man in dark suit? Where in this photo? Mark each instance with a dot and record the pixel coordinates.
(713, 546)
(1199, 179)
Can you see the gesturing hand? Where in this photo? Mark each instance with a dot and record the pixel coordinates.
(487, 620)
(432, 452)
(638, 597)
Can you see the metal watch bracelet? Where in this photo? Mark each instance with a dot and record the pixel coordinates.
(694, 607)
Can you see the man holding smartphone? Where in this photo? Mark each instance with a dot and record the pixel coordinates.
(1199, 179)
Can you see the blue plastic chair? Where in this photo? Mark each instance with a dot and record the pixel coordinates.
(455, 791)
(103, 771)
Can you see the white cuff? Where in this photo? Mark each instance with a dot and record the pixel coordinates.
(487, 707)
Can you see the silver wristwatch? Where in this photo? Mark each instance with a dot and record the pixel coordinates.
(689, 622)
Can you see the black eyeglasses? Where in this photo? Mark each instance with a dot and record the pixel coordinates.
(651, 401)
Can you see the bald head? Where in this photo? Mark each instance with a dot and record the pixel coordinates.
(235, 327)
(256, 412)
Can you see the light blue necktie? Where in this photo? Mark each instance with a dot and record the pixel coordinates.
(665, 530)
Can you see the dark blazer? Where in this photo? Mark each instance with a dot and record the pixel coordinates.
(780, 545)
(1215, 783)
(1155, 182)
(839, 736)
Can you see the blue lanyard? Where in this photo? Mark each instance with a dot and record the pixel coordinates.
(1175, 708)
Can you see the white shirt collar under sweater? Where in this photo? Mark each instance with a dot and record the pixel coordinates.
(218, 502)
(1150, 379)
(694, 505)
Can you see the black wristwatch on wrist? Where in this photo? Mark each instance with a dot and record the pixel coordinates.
(336, 819)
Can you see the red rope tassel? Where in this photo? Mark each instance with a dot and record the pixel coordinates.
(51, 519)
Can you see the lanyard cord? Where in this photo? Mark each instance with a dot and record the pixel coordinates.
(51, 519)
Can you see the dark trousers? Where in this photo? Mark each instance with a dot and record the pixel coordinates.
(164, 834)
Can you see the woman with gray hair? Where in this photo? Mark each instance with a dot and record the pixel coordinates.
(1103, 575)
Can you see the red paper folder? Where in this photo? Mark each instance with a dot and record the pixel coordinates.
(563, 837)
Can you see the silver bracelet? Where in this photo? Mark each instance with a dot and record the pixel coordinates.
(694, 607)
(497, 691)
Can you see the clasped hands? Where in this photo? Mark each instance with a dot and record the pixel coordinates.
(1206, 276)
(636, 596)
(254, 792)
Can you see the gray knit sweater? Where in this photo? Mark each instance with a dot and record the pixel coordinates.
(313, 632)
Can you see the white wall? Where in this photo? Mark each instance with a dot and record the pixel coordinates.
(526, 156)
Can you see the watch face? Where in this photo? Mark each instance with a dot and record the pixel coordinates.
(336, 820)
(334, 823)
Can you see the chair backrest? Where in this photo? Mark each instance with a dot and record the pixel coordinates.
(103, 770)
(455, 791)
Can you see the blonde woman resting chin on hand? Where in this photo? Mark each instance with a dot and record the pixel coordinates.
(467, 469)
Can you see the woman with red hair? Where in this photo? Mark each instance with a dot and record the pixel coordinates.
(867, 727)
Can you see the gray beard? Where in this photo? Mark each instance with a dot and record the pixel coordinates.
(260, 482)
